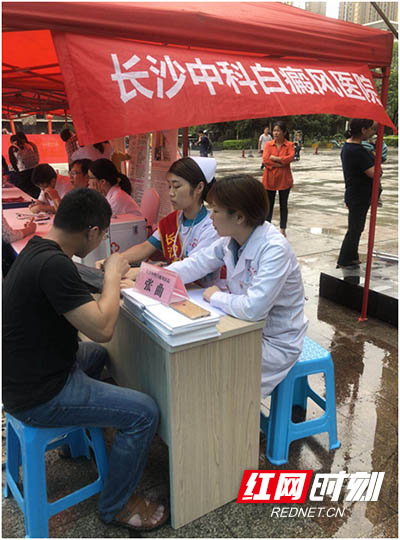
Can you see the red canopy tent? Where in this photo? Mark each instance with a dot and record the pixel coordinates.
(196, 63)
(32, 79)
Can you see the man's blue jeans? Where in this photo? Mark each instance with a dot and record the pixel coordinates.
(85, 401)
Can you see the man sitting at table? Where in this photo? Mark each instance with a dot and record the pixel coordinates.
(52, 186)
(50, 378)
(79, 173)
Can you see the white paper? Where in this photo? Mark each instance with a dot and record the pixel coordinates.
(174, 321)
(139, 164)
(196, 295)
(139, 299)
(182, 339)
(165, 144)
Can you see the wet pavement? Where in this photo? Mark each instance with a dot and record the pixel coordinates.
(366, 371)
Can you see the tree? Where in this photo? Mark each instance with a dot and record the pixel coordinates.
(312, 126)
(392, 102)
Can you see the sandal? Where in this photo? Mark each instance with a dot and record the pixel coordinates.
(145, 510)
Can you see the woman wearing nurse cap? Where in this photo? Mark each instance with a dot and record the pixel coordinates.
(188, 228)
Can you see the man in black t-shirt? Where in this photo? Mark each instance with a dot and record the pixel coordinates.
(358, 172)
(49, 378)
(204, 143)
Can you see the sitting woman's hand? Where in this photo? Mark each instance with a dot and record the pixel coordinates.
(51, 194)
(132, 274)
(207, 294)
(100, 264)
(126, 283)
(36, 208)
(29, 228)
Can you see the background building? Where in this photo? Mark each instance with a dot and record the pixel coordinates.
(316, 7)
(364, 12)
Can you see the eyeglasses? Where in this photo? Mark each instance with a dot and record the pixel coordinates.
(75, 173)
(106, 232)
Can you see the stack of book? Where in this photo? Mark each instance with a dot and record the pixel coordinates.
(173, 327)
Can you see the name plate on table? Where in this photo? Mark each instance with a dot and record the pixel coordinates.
(161, 284)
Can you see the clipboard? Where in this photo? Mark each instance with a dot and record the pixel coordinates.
(189, 309)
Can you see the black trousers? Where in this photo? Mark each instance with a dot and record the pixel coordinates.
(356, 222)
(283, 205)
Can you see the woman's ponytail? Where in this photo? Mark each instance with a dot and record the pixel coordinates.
(125, 184)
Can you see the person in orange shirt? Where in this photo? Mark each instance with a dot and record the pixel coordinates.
(277, 156)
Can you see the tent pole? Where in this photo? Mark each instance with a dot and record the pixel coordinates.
(374, 197)
(12, 125)
(185, 142)
(49, 118)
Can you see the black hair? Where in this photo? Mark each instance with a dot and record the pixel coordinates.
(125, 183)
(43, 174)
(66, 134)
(84, 163)
(356, 125)
(242, 193)
(100, 146)
(19, 138)
(189, 170)
(105, 169)
(81, 209)
(281, 125)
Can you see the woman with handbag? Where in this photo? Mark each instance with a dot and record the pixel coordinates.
(24, 156)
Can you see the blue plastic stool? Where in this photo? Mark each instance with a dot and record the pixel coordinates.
(26, 446)
(278, 427)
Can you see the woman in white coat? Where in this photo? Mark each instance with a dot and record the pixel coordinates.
(115, 186)
(263, 275)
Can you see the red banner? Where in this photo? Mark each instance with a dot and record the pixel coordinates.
(115, 87)
(51, 148)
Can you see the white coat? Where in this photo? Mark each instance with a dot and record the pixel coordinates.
(264, 284)
(121, 202)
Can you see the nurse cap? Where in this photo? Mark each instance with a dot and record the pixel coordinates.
(207, 165)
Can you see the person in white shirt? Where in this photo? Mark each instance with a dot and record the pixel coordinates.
(116, 188)
(263, 275)
(94, 151)
(188, 228)
(52, 187)
(264, 138)
(71, 143)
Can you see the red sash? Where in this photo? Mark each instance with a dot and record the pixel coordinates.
(168, 228)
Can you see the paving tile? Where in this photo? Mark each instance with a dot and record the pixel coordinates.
(387, 529)
(208, 526)
(256, 521)
(89, 527)
(12, 520)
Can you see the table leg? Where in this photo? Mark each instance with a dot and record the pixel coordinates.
(214, 423)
